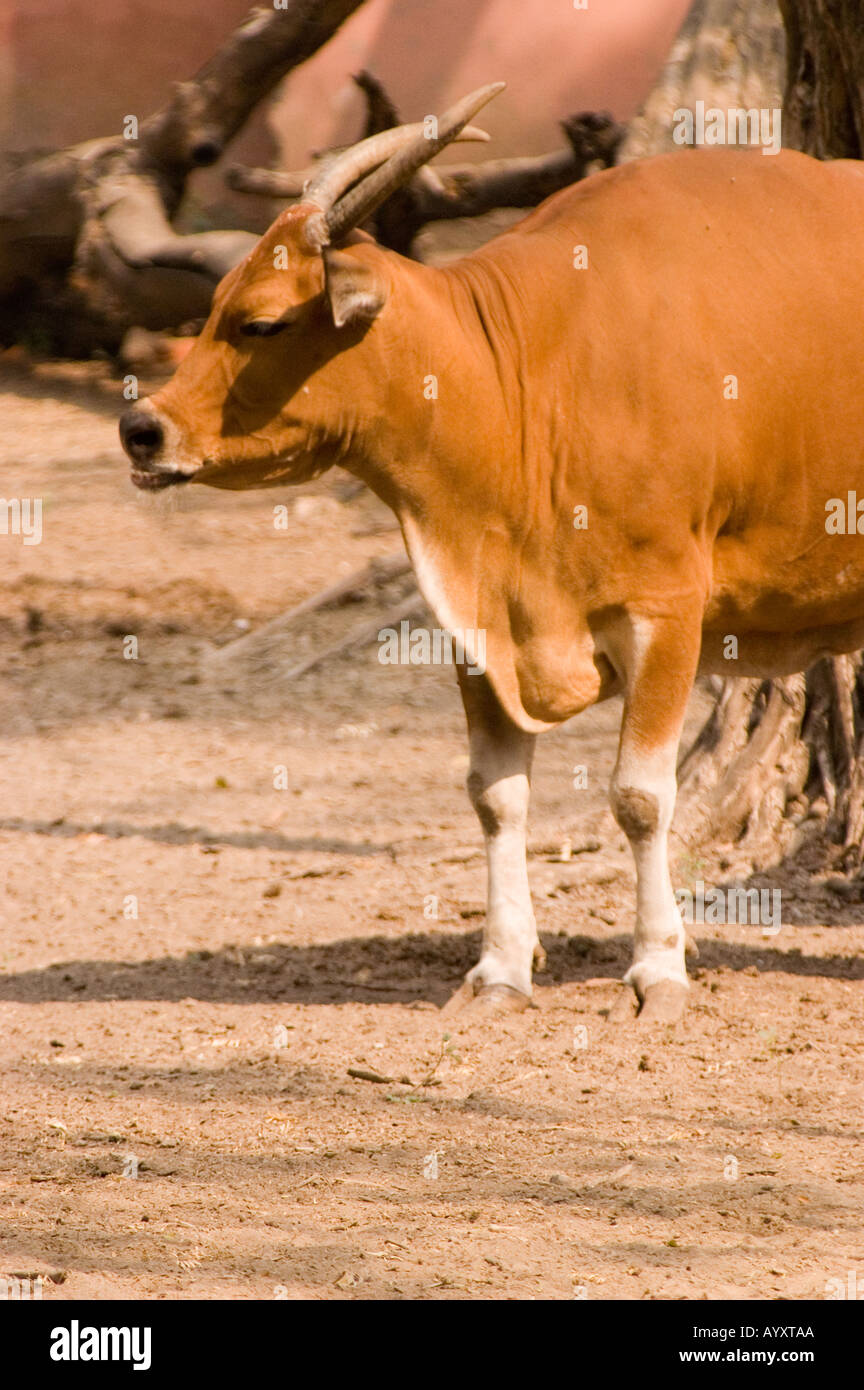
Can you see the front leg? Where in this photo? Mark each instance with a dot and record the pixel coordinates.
(499, 786)
(660, 659)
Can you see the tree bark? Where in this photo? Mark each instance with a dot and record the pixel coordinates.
(727, 53)
(824, 106)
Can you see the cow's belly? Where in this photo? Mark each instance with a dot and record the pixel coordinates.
(785, 625)
(777, 606)
(776, 653)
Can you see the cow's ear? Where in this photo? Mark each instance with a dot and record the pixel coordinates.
(356, 291)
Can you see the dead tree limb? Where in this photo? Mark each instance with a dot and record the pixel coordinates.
(379, 571)
(363, 635)
(268, 183)
(104, 209)
(451, 191)
(454, 191)
(266, 651)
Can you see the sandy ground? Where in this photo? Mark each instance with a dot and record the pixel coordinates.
(192, 957)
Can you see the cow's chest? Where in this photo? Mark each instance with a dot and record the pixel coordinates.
(540, 658)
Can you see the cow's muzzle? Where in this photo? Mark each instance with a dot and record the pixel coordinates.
(141, 435)
(143, 438)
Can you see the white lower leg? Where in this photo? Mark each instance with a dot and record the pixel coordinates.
(643, 799)
(659, 940)
(510, 934)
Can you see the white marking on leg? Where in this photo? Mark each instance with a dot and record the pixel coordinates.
(643, 800)
(500, 797)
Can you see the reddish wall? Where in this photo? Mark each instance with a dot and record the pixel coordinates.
(555, 60)
(70, 69)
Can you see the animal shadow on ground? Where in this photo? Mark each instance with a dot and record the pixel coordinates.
(391, 970)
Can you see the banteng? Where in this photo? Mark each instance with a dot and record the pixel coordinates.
(647, 392)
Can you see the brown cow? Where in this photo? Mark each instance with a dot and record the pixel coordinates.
(676, 347)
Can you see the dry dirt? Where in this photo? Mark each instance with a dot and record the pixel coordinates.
(284, 935)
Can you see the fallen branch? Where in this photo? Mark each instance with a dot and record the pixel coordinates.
(379, 571)
(268, 183)
(452, 191)
(362, 636)
(459, 190)
(102, 211)
(263, 651)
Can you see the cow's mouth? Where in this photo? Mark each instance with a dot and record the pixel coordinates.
(154, 482)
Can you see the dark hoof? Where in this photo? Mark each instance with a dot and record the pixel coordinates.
(664, 1002)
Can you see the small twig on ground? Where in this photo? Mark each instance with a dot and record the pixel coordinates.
(362, 1074)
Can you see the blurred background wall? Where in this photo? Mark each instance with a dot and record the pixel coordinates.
(71, 69)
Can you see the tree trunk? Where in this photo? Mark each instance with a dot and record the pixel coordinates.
(779, 766)
(823, 111)
(728, 53)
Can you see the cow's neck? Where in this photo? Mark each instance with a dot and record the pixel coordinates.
(451, 466)
(444, 454)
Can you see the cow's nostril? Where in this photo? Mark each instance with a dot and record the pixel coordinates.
(141, 435)
(146, 440)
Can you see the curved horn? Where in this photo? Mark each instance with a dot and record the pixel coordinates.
(404, 163)
(337, 175)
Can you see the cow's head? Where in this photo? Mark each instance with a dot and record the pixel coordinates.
(267, 393)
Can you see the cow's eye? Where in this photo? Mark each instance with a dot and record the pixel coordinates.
(263, 328)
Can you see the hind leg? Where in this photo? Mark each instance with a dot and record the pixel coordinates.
(661, 662)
